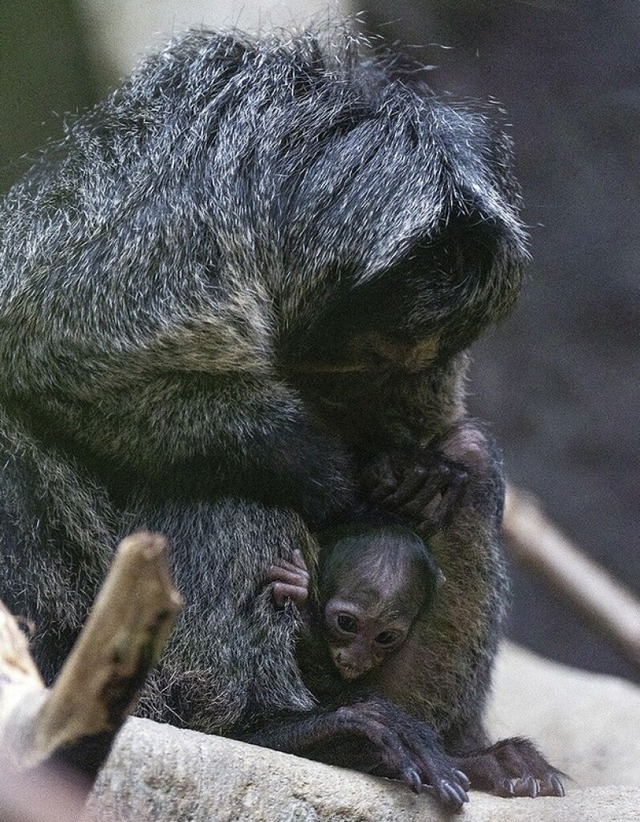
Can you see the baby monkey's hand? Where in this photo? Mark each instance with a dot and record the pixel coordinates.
(290, 580)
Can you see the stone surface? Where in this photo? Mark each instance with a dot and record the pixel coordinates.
(588, 725)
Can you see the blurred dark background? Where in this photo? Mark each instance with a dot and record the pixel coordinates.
(560, 380)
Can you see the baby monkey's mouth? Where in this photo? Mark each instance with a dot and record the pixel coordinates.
(347, 668)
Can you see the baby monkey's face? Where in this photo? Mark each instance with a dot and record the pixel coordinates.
(373, 584)
(361, 633)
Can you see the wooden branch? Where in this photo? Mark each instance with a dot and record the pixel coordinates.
(19, 676)
(537, 544)
(75, 722)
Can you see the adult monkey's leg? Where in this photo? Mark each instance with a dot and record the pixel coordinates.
(231, 660)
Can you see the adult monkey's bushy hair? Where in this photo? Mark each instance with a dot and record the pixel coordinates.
(239, 286)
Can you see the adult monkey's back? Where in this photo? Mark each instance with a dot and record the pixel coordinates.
(234, 306)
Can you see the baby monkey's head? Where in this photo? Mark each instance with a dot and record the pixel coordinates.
(373, 583)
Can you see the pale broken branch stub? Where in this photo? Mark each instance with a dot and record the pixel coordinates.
(100, 681)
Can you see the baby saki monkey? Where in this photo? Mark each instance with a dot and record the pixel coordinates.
(373, 583)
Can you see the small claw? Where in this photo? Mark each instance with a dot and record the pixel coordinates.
(412, 778)
(558, 787)
(528, 786)
(463, 779)
(533, 787)
(507, 787)
(519, 786)
(457, 792)
(450, 794)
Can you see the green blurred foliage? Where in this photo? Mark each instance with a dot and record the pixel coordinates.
(44, 72)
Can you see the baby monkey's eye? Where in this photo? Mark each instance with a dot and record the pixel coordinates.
(386, 638)
(347, 623)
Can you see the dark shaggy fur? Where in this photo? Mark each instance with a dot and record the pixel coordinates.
(239, 285)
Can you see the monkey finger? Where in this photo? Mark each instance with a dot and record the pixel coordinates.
(462, 778)
(524, 787)
(423, 500)
(504, 788)
(552, 786)
(429, 492)
(287, 573)
(512, 767)
(296, 593)
(380, 479)
(548, 785)
(412, 481)
(447, 784)
(298, 560)
(442, 505)
(396, 760)
(533, 786)
(409, 749)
